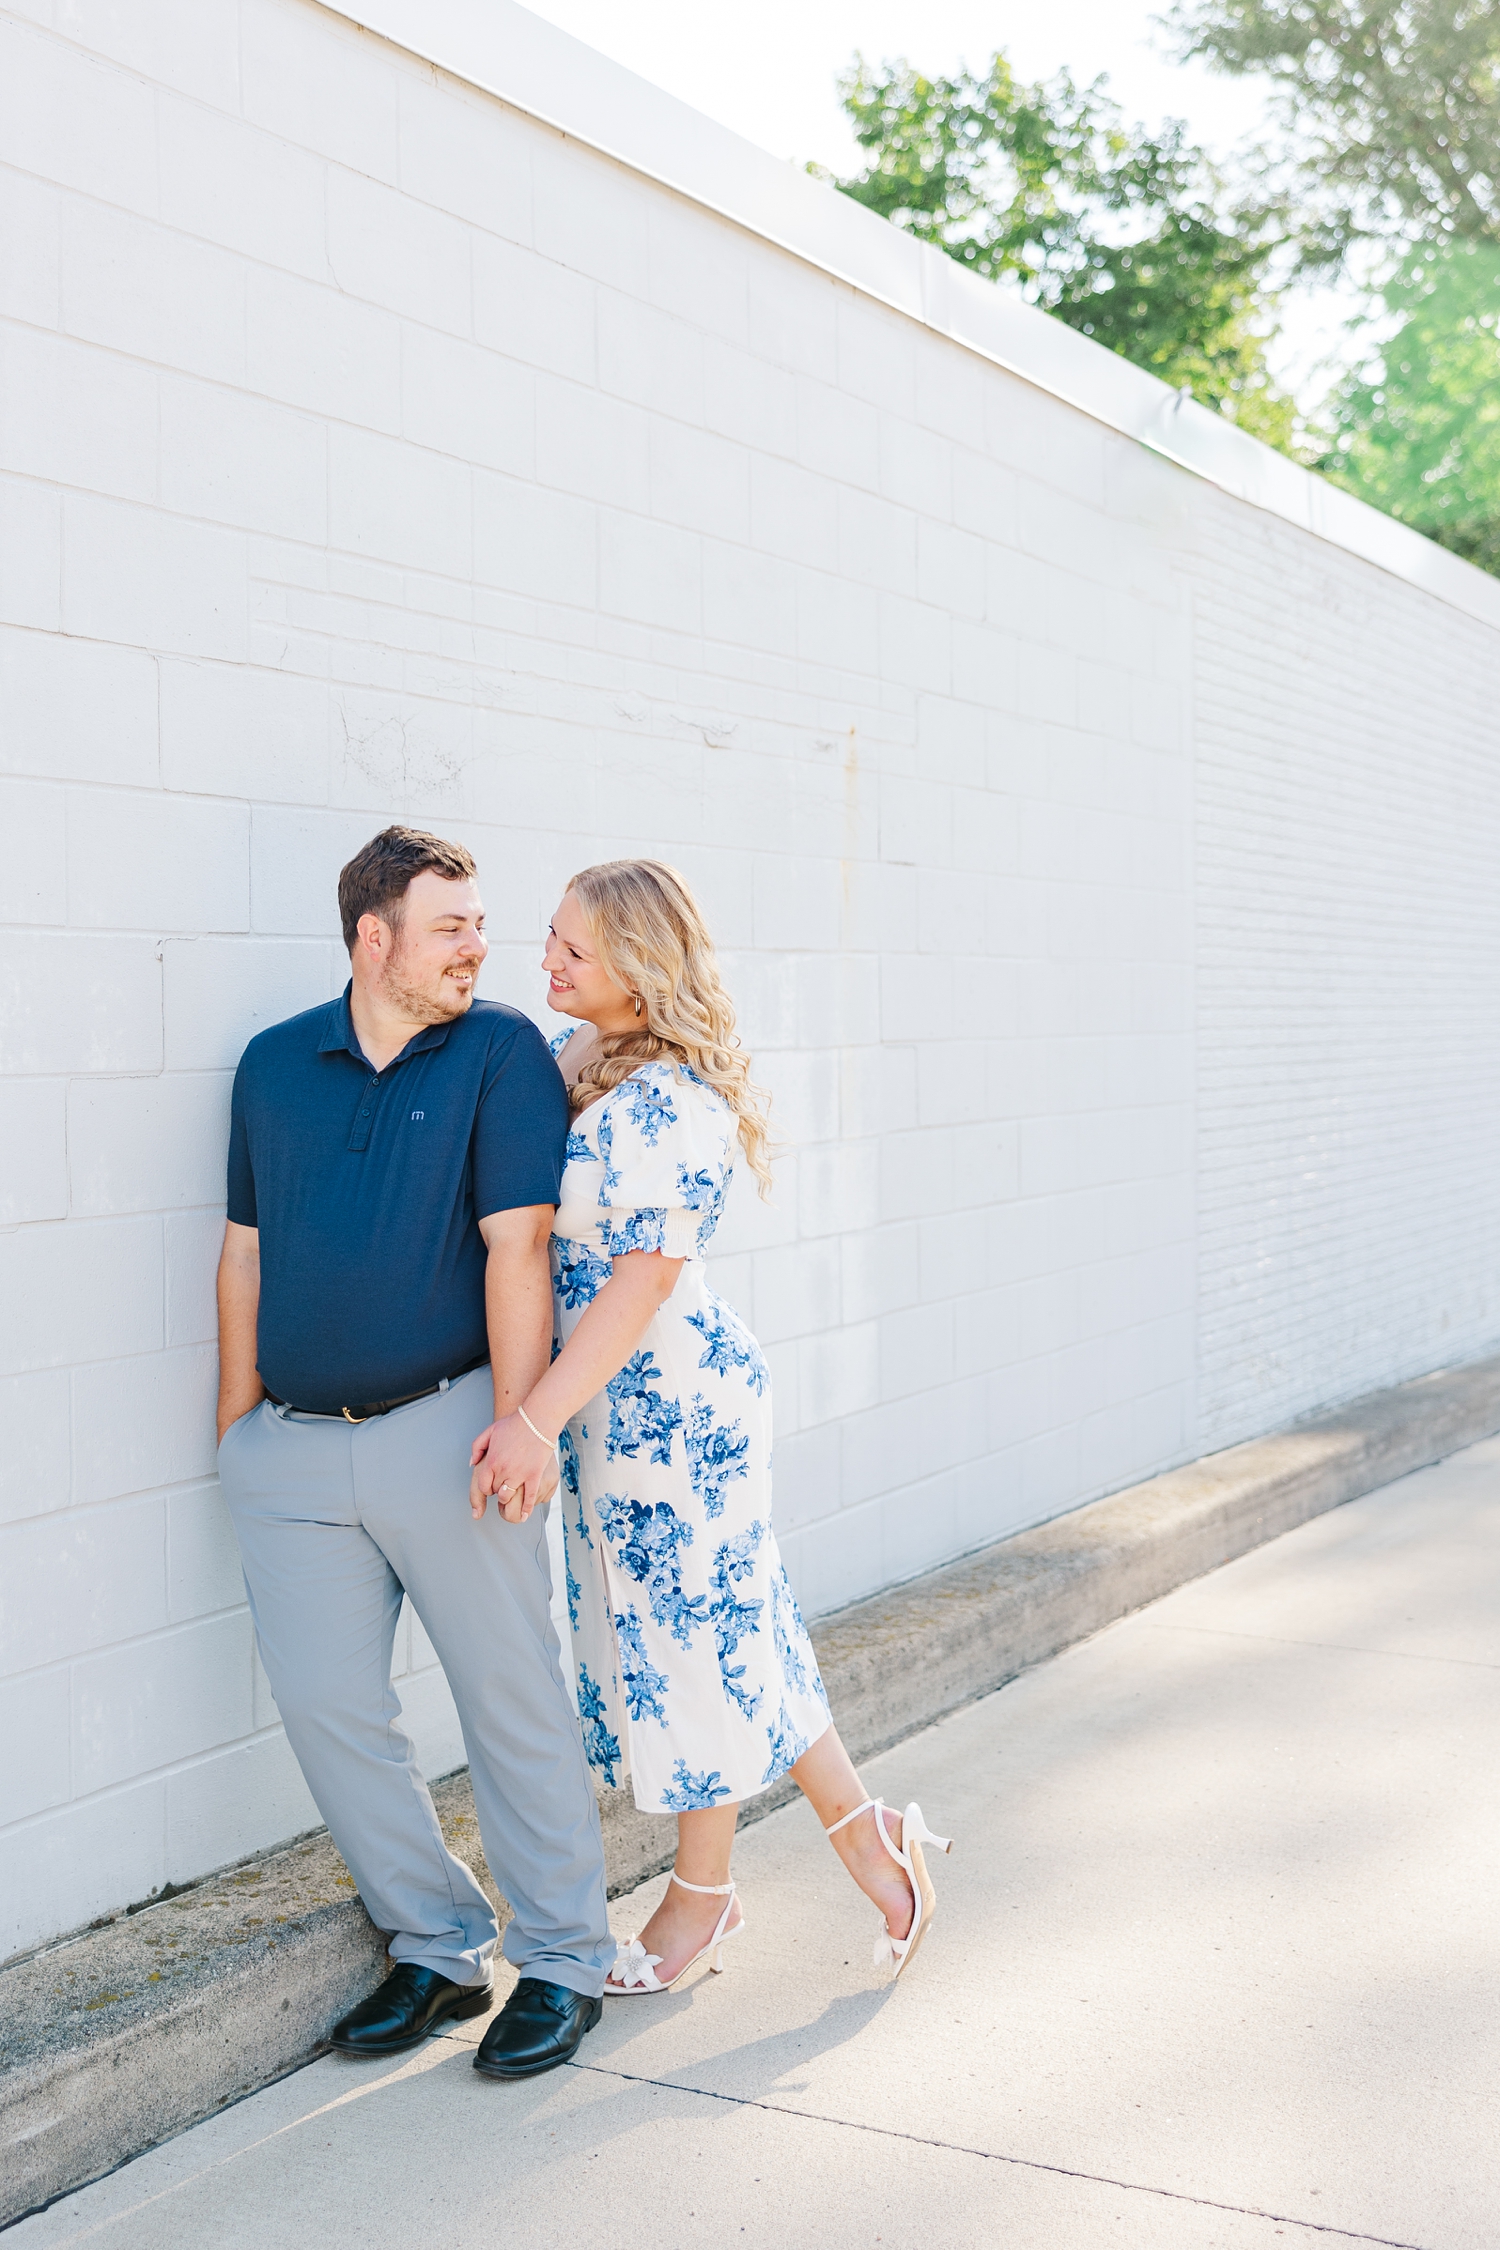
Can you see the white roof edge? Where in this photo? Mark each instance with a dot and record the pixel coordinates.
(527, 63)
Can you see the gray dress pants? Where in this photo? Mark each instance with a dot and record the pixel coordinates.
(334, 1519)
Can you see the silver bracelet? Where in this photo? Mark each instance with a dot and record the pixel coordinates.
(550, 1443)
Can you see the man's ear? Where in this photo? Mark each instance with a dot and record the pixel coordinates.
(372, 937)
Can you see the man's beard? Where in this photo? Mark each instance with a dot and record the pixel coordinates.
(449, 1000)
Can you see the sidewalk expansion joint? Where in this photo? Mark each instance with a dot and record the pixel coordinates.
(995, 2156)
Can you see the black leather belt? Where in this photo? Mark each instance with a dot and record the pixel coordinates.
(379, 1405)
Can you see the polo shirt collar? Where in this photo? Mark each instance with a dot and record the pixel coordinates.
(339, 1034)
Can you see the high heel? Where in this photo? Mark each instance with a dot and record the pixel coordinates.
(908, 1857)
(634, 1972)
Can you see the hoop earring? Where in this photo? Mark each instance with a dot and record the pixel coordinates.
(637, 1003)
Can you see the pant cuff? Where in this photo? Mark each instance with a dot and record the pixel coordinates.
(578, 1976)
(471, 1968)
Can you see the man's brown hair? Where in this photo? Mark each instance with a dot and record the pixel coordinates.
(378, 877)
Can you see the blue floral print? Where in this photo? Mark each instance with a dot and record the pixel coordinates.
(649, 1539)
(714, 1456)
(734, 1559)
(578, 1276)
(724, 1351)
(574, 1590)
(701, 1192)
(601, 1748)
(736, 1688)
(649, 1107)
(787, 1746)
(635, 1230)
(694, 1665)
(790, 1635)
(644, 1685)
(606, 1132)
(638, 1414)
(693, 1792)
(733, 1620)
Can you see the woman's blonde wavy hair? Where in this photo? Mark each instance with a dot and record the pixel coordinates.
(652, 938)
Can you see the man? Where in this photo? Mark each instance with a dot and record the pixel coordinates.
(394, 1161)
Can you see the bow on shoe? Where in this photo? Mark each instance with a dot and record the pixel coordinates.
(883, 1953)
(635, 1969)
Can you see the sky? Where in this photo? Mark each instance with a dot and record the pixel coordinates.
(769, 71)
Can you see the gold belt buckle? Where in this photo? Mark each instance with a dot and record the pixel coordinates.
(356, 1419)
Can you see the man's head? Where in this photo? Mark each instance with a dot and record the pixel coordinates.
(414, 924)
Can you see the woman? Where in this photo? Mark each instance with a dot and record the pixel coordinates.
(694, 1667)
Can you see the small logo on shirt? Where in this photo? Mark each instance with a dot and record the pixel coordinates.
(417, 1116)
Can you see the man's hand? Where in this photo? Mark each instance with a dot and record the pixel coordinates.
(518, 1315)
(508, 1461)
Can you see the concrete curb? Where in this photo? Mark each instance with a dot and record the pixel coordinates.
(117, 2039)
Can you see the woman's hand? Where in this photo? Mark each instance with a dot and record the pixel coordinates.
(513, 1464)
(509, 1459)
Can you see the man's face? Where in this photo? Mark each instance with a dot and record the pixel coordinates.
(430, 965)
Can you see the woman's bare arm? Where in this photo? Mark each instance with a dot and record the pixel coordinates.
(607, 1333)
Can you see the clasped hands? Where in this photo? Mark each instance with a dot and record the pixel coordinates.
(509, 1461)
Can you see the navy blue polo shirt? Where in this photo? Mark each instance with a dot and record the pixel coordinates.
(367, 1188)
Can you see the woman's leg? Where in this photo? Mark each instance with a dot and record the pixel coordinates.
(825, 1774)
(684, 1922)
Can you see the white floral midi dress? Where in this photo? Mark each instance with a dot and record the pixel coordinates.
(695, 1673)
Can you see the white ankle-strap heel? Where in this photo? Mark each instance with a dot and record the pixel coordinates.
(893, 1952)
(634, 1972)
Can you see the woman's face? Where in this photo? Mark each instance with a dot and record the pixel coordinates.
(578, 982)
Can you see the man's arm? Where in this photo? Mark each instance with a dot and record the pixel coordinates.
(240, 1387)
(518, 1301)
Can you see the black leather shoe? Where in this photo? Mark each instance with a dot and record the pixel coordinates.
(540, 2026)
(401, 2012)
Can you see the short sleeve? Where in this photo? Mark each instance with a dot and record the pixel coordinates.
(665, 1145)
(520, 1126)
(241, 1183)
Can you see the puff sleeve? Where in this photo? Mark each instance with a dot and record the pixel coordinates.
(667, 1145)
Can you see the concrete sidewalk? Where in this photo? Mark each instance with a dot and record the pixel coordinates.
(1217, 1964)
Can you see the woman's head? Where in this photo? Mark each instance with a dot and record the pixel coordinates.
(580, 979)
(629, 951)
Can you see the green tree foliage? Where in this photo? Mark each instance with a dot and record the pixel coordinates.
(1391, 107)
(1418, 429)
(1391, 150)
(1129, 236)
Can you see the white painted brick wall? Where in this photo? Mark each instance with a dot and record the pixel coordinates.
(1099, 864)
(1349, 956)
